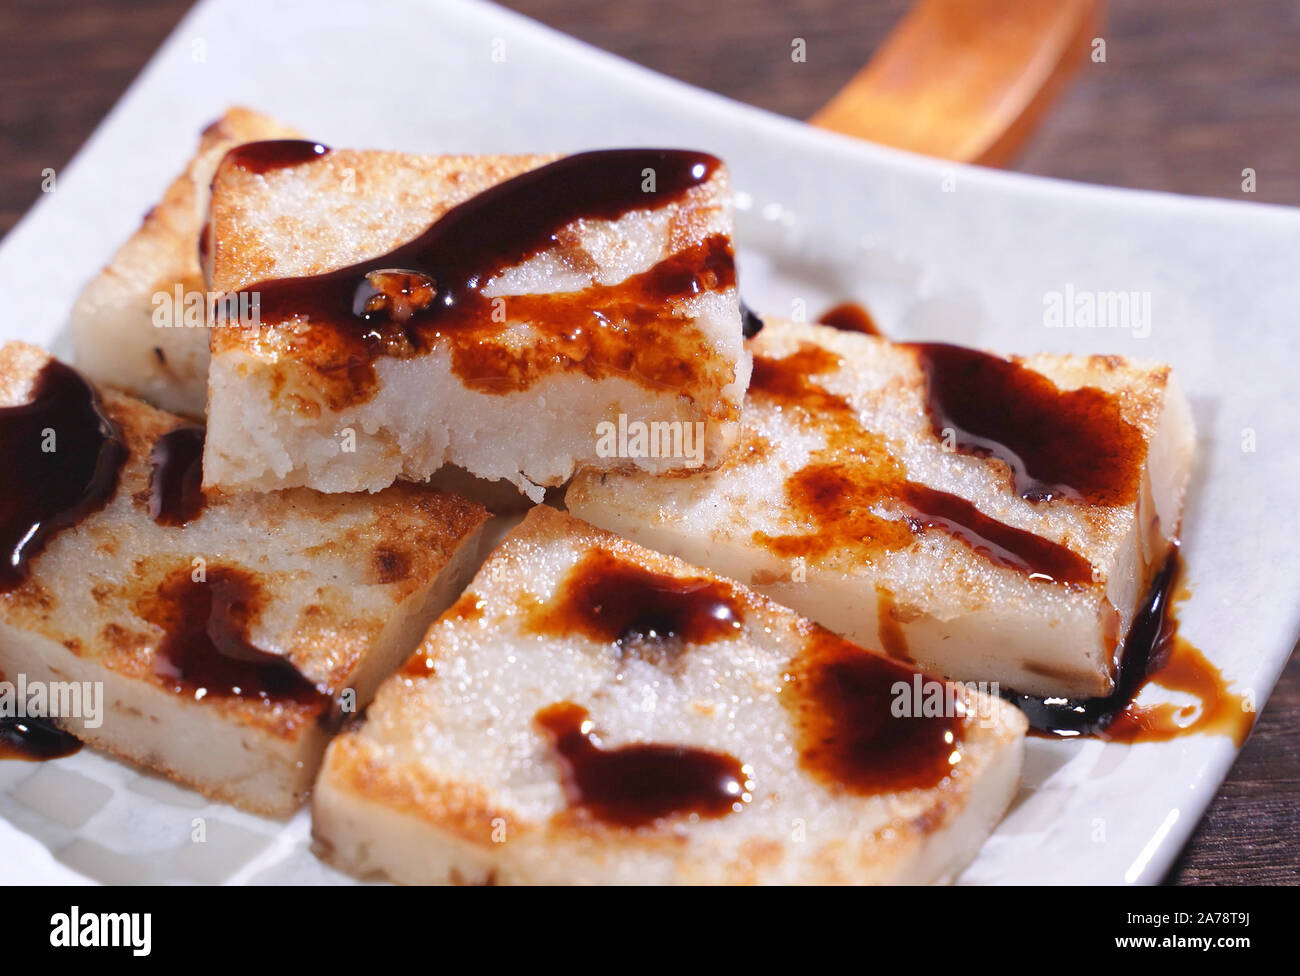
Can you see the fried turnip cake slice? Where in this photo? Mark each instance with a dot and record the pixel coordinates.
(140, 324)
(990, 519)
(590, 711)
(228, 632)
(506, 314)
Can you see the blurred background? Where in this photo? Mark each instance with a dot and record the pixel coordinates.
(1191, 93)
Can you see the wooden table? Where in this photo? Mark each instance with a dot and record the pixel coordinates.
(1191, 93)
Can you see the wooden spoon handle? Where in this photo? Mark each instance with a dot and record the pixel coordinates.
(966, 80)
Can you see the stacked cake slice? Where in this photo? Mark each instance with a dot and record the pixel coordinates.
(390, 314)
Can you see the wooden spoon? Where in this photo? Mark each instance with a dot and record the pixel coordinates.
(966, 80)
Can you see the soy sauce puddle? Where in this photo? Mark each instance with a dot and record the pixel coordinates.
(1154, 654)
(35, 740)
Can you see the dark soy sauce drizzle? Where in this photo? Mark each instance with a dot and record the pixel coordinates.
(206, 652)
(35, 740)
(1004, 544)
(46, 491)
(1058, 443)
(176, 479)
(272, 154)
(430, 290)
(610, 599)
(850, 317)
(841, 484)
(840, 699)
(635, 785)
(445, 267)
(1154, 653)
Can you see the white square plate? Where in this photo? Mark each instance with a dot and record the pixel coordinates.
(936, 251)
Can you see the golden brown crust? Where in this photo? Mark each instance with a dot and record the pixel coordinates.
(463, 810)
(425, 188)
